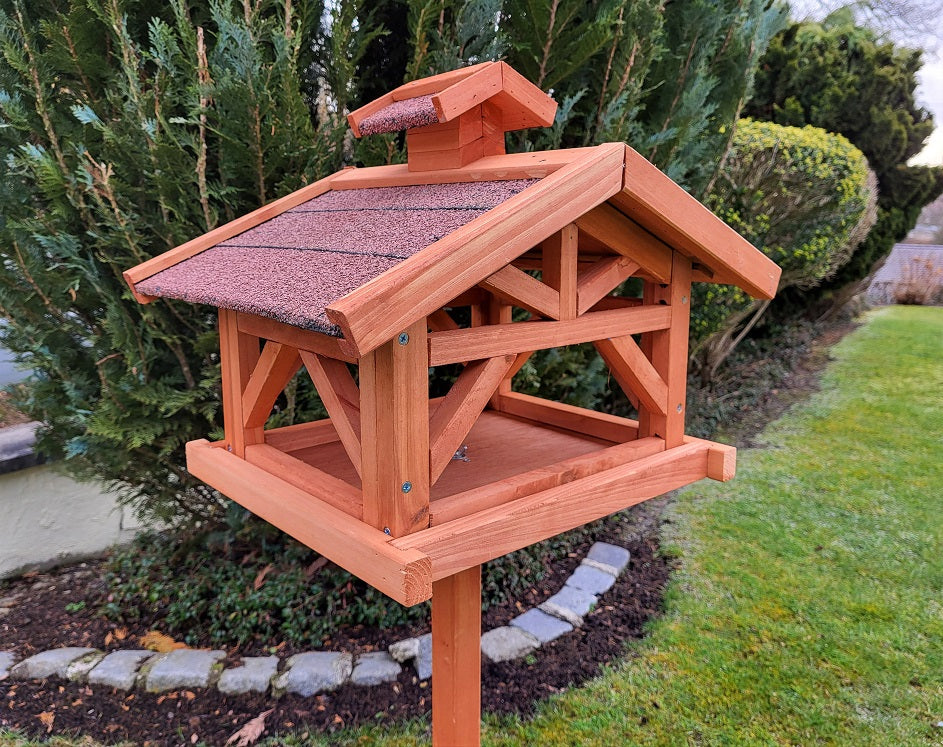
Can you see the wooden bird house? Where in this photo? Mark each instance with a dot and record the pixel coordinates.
(372, 276)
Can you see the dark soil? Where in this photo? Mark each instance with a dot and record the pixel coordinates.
(173, 718)
(38, 620)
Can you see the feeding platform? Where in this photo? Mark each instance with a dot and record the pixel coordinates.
(372, 276)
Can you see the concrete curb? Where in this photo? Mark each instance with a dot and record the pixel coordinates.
(314, 672)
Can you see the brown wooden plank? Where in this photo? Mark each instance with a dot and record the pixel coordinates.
(533, 481)
(364, 551)
(456, 659)
(533, 165)
(488, 534)
(227, 231)
(493, 340)
(467, 93)
(337, 493)
(290, 438)
(536, 107)
(303, 339)
(667, 210)
(721, 460)
(601, 279)
(634, 373)
(436, 83)
(623, 235)
(460, 408)
(568, 417)
(615, 302)
(394, 432)
(559, 269)
(340, 397)
(446, 136)
(276, 366)
(440, 321)
(520, 289)
(238, 356)
(368, 110)
(451, 158)
(429, 279)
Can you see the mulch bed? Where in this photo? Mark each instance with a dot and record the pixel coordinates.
(208, 716)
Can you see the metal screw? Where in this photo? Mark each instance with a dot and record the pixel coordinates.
(229, 448)
(679, 408)
(407, 486)
(403, 338)
(386, 530)
(684, 299)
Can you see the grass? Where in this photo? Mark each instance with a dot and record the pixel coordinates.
(808, 604)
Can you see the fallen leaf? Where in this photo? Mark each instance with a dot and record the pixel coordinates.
(260, 578)
(154, 640)
(250, 733)
(47, 717)
(188, 694)
(121, 633)
(316, 566)
(108, 639)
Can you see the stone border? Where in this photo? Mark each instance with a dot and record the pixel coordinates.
(17, 447)
(313, 672)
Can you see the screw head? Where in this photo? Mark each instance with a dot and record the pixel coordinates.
(684, 299)
(680, 408)
(386, 530)
(407, 486)
(403, 338)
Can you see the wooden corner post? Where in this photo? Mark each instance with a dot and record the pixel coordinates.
(394, 432)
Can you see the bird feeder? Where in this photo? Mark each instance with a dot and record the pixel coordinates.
(393, 270)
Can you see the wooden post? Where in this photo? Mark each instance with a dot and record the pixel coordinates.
(394, 432)
(238, 355)
(456, 660)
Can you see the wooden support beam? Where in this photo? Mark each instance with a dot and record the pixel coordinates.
(394, 432)
(488, 534)
(559, 268)
(341, 398)
(497, 493)
(623, 235)
(669, 351)
(303, 339)
(441, 321)
(427, 280)
(467, 93)
(520, 289)
(460, 408)
(493, 340)
(634, 373)
(309, 518)
(456, 659)
(238, 355)
(277, 364)
(299, 436)
(599, 425)
(601, 279)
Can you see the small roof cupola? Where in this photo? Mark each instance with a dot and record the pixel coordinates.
(457, 117)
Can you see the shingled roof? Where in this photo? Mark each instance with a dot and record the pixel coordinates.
(365, 252)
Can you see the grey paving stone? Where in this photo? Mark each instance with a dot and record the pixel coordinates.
(315, 671)
(542, 626)
(375, 668)
(423, 661)
(403, 651)
(78, 670)
(52, 663)
(611, 555)
(507, 643)
(254, 676)
(569, 604)
(119, 669)
(6, 662)
(591, 580)
(185, 667)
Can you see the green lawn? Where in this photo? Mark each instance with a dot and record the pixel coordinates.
(808, 608)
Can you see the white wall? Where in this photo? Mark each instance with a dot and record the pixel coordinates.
(47, 517)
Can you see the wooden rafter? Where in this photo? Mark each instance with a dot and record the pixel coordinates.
(277, 364)
(492, 340)
(457, 413)
(634, 372)
(440, 321)
(340, 397)
(303, 339)
(601, 279)
(520, 289)
(623, 235)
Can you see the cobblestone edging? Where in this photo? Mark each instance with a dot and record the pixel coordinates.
(313, 672)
